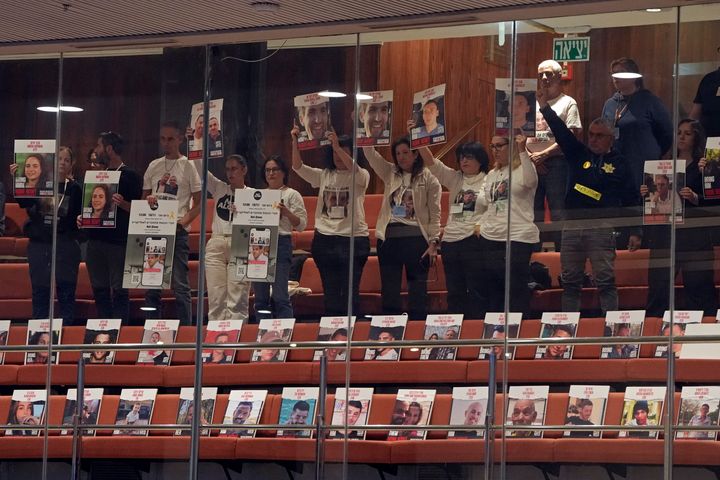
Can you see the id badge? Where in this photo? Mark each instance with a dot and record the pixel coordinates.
(399, 211)
(456, 208)
(337, 212)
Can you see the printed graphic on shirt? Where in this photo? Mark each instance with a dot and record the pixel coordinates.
(335, 202)
(402, 204)
(465, 201)
(223, 207)
(167, 186)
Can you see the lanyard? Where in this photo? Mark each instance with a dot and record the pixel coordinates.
(619, 112)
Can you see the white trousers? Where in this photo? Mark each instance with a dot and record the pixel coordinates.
(227, 297)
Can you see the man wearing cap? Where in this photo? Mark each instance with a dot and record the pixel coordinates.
(706, 105)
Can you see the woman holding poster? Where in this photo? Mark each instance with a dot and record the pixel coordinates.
(461, 246)
(333, 228)
(292, 217)
(693, 246)
(408, 226)
(39, 229)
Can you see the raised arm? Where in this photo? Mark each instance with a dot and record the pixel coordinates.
(378, 163)
(564, 137)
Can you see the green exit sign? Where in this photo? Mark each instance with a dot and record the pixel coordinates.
(573, 49)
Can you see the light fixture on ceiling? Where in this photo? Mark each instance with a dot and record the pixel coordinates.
(626, 75)
(363, 96)
(148, 309)
(576, 29)
(653, 10)
(265, 6)
(329, 94)
(64, 108)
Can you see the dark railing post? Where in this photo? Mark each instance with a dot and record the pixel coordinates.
(320, 421)
(77, 420)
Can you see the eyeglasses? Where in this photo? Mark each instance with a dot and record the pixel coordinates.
(272, 170)
(498, 146)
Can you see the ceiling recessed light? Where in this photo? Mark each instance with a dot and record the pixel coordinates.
(626, 75)
(653, 10)
(363, 96)
(48, 109)
(148, 309)
(64, 108)
(329, 94)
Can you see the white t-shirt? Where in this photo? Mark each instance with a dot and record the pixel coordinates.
(493, 225)
(224, 196)
(467, 200)
(175, 179)
(402, 203)
(294, 202)
(332, 214)
(566, 108)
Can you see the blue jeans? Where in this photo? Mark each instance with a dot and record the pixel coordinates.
(281, 306)
(553, 186)
(597, 244)
(180, 282)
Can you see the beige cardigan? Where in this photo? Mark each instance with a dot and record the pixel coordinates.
(426, 196)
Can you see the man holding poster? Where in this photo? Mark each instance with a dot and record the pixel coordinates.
(173, 177)
(105, 258)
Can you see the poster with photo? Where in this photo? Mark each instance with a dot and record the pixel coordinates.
(586, 406)
(663, 191)
(99, 211)
(643, 406)
(298, 408)
(214, 127)
(27, 407)
(374, 119)
(255, 234)
(312, 116)
(557, 325)
(681, 318)
(386, 328)
(101, 331)
(526, 406)
(35, 168)
(699, 407)
(4, 333)
(187, 405)
(244, 408)
(412, 407)
(40, 332)
(135, 408)
(273, 330)
(90, 409)
(333, 329)
(711, 172)
(468, 411)
(221, 331)
(158, 332)
(150, 245)
(626, 323)
(357, 402)
(495, 327)
(441, 327)
(697, 350)
(523, 105)
(429, 117)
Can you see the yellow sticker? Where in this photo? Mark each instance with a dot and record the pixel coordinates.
(594, 194)
(608, 168)
(586, 165)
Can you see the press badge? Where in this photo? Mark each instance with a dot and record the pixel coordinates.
(399, 211)
(456, 208)
(337, 212)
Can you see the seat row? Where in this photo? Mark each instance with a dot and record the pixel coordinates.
(585, 366)
(438, 448)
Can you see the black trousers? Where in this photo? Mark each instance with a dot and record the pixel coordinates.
(463, 264)
(332, 257)
(67, 260)
(494, 275)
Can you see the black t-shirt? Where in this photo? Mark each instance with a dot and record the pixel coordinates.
(40, 213)
(708, 96)
(575, 420)
(130, 187)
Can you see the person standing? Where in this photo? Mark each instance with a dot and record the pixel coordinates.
(333, 229)
(227, 296)
(706, 105)
(105, 258)
(546, 154)
(39, 229)
(174, 177)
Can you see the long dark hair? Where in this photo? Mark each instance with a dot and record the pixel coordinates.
(281, 165)
(108, 199)
(417, 166)
(699, 138)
